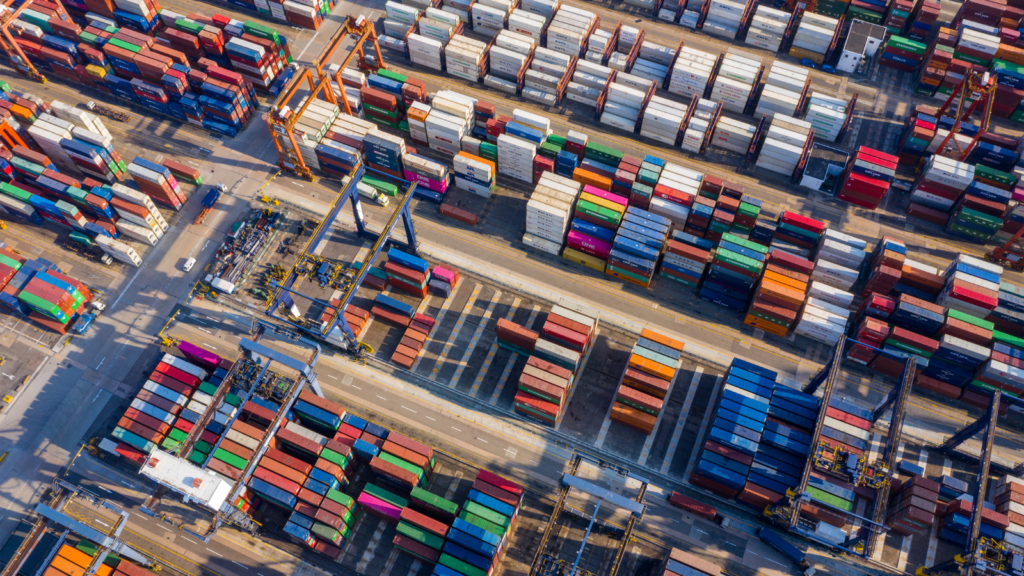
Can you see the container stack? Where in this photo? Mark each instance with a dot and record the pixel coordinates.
(516, 155)
(490, 17)
(156, 182)
(662, 120)
(847, 427)
(72, 560)
(826, 115)
(426, 50)
(675, 192)
(723, 18)
(867, 177)
(647, 381)
(787, 137)
(475, 174)
(903, 54)
(913, 506)
(653, 62)
(767, 28)
(813, 37)
(1008, 317)
(311, 128)
(543, 81)
(781, 292)
(569, 30)
(603, 210)
(383, 103)
(697, 128)
(736, 78)
(782, 90)
(432, 178)
(956, 521)
(686, 258)
(549, 212)
(588, 82)
(732, 276)
(553, 368)
(623, 106)
(733, 135)
(384, 152)
(637, 245)
(691, 72)
(464, 56)
(480, 533)
(940, 185)
(971, 286)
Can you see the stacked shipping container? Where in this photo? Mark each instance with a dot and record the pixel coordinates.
(647, 381)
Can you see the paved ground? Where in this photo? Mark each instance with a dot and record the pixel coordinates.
(71, 392)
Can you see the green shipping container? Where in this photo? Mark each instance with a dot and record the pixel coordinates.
(830, 499)
(420, 535)
(380, 185)
(627, 274)
(233, 400)
(403, 464)
(908, 348)
(179, 435)
(170, 444)
(197, 457)
(124, 45)
(992, 388)
(229, 458)
(260, 31)
(1008, 339)
(487, 514)
(203, 446)
(6, 260)
(392, 75)
(378, 492)
(207, 388)
(341, 498)
(334, 457)
(460, 566)
(431, 499)
(483, 524)
(601, 213)
(678, 279)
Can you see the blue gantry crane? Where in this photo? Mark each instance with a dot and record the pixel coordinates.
(336, 330)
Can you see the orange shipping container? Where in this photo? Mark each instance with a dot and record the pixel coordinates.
(662, 339)
(75, 555)
(633, 418)
(782, 294)
(67, 566)
(769, 327)
(789, 282)
(282, 470)
(651, 367)
(587, 177)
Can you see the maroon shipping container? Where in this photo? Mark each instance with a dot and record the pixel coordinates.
(693, 506)
(497, 493)
(147, 421)
(247, 430)
(140, 430)
(258, 411)
(322, 403)
(647, 383)
(516, 334)
(729, 453)
(570, 338)
(503, 483)
(276, 480)
(158, 402)
(236, 449)
(310, 497)
(426, 552)
(289, 461)
(425, 522)
(394, 473)
(327, 549)
(178, 375)
(338, 447)
(225, 469)
(299, 442)
(167, 381)
(329, 519)
(333, 507)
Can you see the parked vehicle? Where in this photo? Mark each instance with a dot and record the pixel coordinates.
(189, 264)
(776, 541)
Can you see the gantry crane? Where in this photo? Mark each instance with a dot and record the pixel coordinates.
(364, 30)
(1009, 255)
(7, 43)
(984, 87)
(282, 119)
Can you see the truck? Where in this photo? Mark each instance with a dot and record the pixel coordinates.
(209, 201)
(780, 544)
(84, 322)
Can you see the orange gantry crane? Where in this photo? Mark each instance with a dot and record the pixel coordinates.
(10, 47)
(282, 119)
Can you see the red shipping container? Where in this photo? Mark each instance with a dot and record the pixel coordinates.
(178, 375)
(276, 480)
(503, 483)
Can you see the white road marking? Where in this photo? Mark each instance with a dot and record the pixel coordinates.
(207, 331)
(429, 418)
(381, 397)
(456, 429)
(482, 440)
(212, 552)
(168, 529)
(127, 484)
(233, 562)
(332, 377)
(409, 409)
(102, 522)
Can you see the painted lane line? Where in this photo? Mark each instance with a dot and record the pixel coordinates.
(703, 426)
(456, 429)
(409, 409)
(484, 320)
(484, 441)
(436, 370)
(165, 528)
(583, 366)
(496, 395)
(482, 373)
(437, 322)
(212, 552)
(645, 452)
(329, 376)
(381, 397)
(429, 418)
(242, 565)
(677, 432)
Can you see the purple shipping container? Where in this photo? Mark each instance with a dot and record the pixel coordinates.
(380, 508)
(200, 356)
(589, 244)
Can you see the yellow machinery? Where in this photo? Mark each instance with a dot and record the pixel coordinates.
(839, 462)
